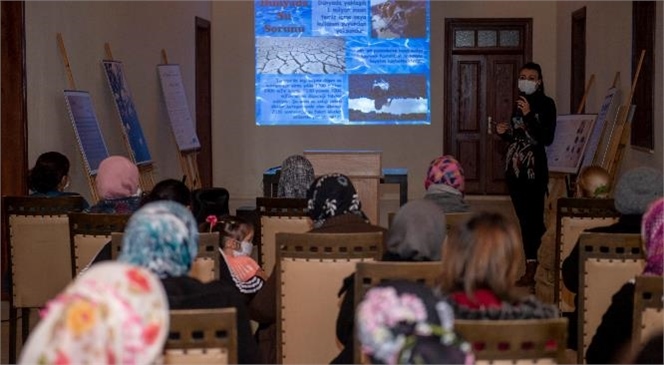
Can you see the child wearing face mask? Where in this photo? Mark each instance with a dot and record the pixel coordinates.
(235, 248)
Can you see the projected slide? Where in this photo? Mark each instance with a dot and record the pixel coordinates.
(342, 62)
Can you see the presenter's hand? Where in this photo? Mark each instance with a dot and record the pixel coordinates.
(523, 105)
(502, 127)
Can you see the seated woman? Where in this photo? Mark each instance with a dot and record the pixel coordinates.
(295, 177)
(478, 276)
(117, 186)
(615, 331)
(445, 184)
(238, 268)
(169, 189)
(113, 313)
(163, 237)
(417, 234)
(402, 322)
(50, 176)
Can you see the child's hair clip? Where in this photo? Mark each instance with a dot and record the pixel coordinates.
(212, 219)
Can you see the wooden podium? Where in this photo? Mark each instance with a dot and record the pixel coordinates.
(362, 167)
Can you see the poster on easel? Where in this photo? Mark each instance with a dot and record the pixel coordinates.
(88, 134)
(127, 111)
(569, 142)
(605, 122)
(178, 108)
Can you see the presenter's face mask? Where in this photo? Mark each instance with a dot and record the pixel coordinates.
(527, 86)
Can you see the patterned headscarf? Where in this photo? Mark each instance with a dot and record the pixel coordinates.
(417, 232)
(402, 322)
(161, 236)
(445, 170)
(296, 177)
(117, 178)
(113, 313)
(332, 195)
(652, 233)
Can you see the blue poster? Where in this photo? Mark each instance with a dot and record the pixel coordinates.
(342, 62)
(83, 118)
(125, 106)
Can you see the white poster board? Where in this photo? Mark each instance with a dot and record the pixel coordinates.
(569, 143)
(606, 117)
(127, 111)
(177, 107)
(83, 117)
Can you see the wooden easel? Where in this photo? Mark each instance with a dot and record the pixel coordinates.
(188, 159)
(623, 127)
(72, 86)
(601, 151)
(146, 177)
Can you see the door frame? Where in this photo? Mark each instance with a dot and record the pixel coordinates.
(203, 100)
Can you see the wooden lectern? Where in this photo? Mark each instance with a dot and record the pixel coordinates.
(362, 167)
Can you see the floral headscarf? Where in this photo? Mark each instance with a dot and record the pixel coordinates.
(332, 195)
(445, 170)
(417, 232)
(401, 322)
(652, 233)
(161, 236)
(295, 177)
(113, 313)
(117, 178)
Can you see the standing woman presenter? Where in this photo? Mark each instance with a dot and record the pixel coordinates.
(531, 128)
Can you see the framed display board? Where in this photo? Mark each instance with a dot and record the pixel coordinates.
(177, 107)
(89, 137)
(569, 143)
(125, 107)
(599, 138)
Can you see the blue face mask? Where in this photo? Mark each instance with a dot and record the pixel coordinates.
(245, 249)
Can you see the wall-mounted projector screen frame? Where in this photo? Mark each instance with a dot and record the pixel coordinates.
(342, 62)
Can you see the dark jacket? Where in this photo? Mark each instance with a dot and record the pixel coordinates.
(185, 292)
(615, 331)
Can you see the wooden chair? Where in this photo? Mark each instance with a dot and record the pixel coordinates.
(648, 316)
(512, 341)
(368, 274)
(206, 266)
(40, 254)
(606, 262)
(575, 215)
(277, 215)
(89, 232)
(310, 270)
(202, 336)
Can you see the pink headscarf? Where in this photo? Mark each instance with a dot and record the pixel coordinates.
(652, 233)
(117, 178)
(445, 170)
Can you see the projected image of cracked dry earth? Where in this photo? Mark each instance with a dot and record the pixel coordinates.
(285, 55)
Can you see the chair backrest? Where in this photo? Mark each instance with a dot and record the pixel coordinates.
(206, 266)
(202, 336)
(606, 262)
(277, 215)
(454, 220)
(310, 270)
(575, 215)
(524, 340)
(368, 274)
(648, 316)
(40, 247)
(89, 232)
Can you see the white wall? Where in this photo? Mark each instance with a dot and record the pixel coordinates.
(136, 31)
(609, 50)
(242, 151)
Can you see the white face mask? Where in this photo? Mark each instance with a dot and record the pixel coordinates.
(245, 249)
(527, 86)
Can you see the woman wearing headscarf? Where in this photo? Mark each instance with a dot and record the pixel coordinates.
(295, 177)
(615, 331)
(117, 186)
(114, 313)
(445, 184)
(402, 322)
(416, 235)
(162, 236)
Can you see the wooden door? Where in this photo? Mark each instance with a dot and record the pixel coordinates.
(483, 57)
